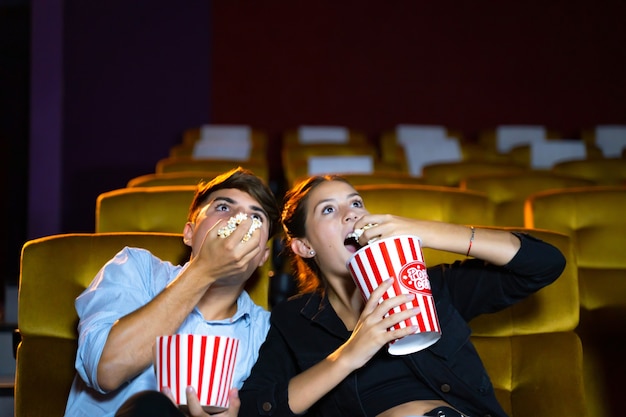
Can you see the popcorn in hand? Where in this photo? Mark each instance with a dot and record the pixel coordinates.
(232, 224)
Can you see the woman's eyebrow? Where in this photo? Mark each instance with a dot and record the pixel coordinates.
(326, 200)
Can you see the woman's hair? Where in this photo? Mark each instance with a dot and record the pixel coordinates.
(244, 180)
(293, 219)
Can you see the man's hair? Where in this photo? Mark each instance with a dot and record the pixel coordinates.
(246, 181)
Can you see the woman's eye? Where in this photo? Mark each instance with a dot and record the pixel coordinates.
(328, 209)
(221, 207)
(357, 203)
(256, 216)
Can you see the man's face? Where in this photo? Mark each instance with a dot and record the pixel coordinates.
(222, 205)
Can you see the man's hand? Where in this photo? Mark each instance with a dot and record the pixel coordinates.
(230, 257)
(195, 409)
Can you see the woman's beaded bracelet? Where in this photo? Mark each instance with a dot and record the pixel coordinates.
(469, 248)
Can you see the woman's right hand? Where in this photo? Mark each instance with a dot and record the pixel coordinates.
(371, 331)
(368, 337)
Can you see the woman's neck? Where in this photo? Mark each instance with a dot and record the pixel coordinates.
(347, 302)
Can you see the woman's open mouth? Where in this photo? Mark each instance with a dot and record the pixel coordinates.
(351, 243)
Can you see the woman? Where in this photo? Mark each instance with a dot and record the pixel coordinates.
(325, 353)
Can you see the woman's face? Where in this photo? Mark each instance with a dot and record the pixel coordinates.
(333, 207)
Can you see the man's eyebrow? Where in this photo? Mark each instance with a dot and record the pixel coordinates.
(227, 199)
(260, 210)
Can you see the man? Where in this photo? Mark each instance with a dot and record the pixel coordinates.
(136, 296)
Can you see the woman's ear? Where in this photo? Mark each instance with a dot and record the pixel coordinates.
(301, 248)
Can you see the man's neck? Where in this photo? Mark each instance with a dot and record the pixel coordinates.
(219, 304)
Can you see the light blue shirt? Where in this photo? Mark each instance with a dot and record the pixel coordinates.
(128, 281)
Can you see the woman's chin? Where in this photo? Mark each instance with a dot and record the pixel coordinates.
(351, 249)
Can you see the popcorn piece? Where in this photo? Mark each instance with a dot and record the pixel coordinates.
(358, 232)
(256, 224)
(232, 224)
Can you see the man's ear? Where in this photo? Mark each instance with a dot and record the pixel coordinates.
(266, 255)
(301, 248)
(188, 233)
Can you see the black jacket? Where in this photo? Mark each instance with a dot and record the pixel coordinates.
(306, 329)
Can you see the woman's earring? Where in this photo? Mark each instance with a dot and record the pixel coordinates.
(312, 252)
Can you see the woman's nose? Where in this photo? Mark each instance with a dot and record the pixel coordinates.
(351, 216)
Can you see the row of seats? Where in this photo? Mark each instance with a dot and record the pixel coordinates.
(535, 362)
(406, 149)
(514, 343)
(593, 218)
(506, 186)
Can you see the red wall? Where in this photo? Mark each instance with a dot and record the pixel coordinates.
(373, 64)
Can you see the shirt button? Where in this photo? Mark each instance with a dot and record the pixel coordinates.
(267, 406)
(445, 388)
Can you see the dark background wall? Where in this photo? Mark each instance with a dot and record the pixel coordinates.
(371, 64)
(135, 75)
(14, 87)
(114, 83)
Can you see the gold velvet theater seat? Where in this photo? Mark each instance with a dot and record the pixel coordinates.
(258, 142)
(594, 219)
(54, 271)
(178, 164)
(530, 350)
(258, 137)
(292, 137)
(452, 173)
(378, 178)
(449, 204)
(603, 171)
(296, 159)
(173, 178)
(144, 209)
(508, 191)
(392, 151)
(162, 209)
(382, 178)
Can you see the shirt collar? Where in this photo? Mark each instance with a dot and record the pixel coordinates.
(244, 308)
(319, 310)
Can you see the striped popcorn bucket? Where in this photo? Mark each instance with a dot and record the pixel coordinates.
(206, 363)
(400, 258)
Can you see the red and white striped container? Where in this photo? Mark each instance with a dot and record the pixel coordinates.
(401, 258)
(206, 363)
